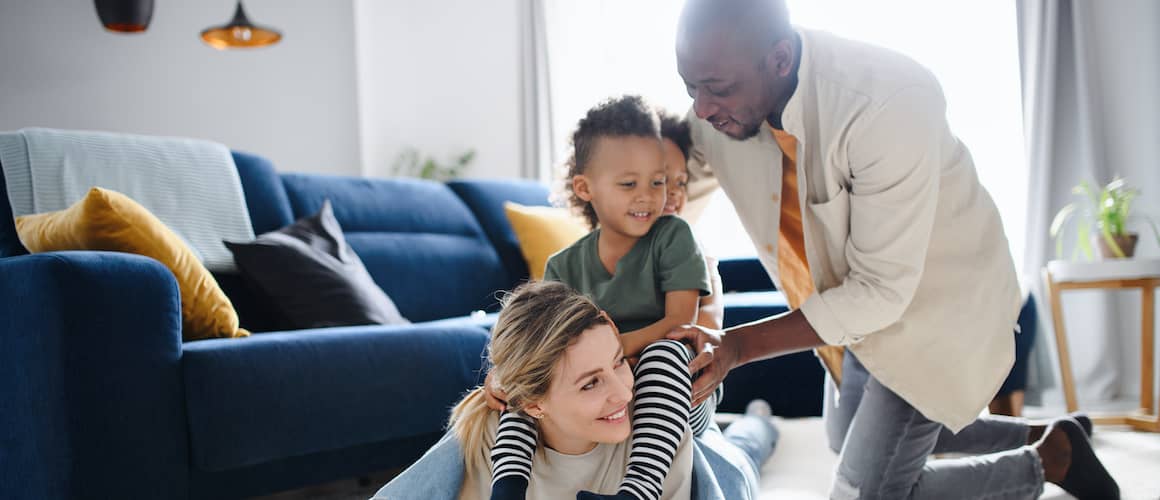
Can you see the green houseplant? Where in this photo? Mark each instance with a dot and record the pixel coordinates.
(410, 163)
(1101, 217)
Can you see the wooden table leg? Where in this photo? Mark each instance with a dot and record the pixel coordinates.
(1147, 350)
(1061, 342)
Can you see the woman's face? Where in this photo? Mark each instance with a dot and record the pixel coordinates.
(590, 397)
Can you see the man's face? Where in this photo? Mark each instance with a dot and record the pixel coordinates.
(729, 85)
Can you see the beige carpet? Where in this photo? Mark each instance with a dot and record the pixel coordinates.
(802, 466)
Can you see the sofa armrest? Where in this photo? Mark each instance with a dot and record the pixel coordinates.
(744, 274)
(91, 401)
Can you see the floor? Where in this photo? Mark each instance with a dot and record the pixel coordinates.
(802, 466)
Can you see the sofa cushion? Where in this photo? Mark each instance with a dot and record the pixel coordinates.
(543, 231)
(418, 240)
(265, 196)
(791, 384)
(110, 221)
(308, 272)
(486, 198)
(286, 394)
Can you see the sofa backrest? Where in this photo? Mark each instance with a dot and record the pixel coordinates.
(419, 241)
(9, 241)
(486, 197)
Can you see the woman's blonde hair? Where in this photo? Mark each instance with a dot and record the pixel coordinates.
(539, 321)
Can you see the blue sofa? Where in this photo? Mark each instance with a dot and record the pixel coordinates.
(100, 398)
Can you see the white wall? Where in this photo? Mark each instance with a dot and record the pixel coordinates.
(294, 102)
(440, 76)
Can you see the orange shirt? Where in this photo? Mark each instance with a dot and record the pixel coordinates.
(793, 268)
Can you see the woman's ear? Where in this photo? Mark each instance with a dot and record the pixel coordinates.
(581, 188)
(535, 411)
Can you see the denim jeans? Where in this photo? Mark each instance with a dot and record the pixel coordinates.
(885, 447)
(725, 465)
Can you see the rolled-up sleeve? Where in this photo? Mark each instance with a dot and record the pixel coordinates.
(895, 156)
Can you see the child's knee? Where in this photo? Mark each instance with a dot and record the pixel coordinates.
(666, 348)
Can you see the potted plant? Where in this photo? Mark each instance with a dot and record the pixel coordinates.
(410, 163)
(1107, 211)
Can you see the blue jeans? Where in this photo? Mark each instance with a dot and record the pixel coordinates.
(725, 465)
(885, 447)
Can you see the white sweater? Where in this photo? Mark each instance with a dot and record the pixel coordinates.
(556, 475)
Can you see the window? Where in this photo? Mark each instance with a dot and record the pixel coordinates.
(600, 48)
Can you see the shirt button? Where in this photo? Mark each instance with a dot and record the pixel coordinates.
(769, 247)
(776, 197)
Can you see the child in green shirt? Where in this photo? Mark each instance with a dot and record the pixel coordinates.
(642, 267)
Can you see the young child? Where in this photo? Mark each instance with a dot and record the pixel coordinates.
(643, 268)
(676, 141)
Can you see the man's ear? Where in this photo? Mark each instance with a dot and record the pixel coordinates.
(779, 59)
(580, 186)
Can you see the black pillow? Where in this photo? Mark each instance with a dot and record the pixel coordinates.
(309, 274)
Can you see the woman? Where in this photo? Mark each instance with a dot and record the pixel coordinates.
(559, 360)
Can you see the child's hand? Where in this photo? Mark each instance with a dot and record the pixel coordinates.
(496, 399)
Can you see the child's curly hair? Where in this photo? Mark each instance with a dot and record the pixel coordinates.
(615, 117)
(676, 128)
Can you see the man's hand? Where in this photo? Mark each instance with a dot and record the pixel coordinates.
(496, 399)
(717, 353)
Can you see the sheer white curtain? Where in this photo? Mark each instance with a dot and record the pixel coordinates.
(599, 48)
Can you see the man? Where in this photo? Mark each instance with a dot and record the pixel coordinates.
(867, 213)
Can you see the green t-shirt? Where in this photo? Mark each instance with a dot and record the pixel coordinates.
(665, 259)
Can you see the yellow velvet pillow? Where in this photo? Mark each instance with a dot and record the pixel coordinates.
(110, 221)
(543, 231)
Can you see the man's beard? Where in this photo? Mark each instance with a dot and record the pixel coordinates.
(747, 133)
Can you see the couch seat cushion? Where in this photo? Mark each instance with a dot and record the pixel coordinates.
(284, 394)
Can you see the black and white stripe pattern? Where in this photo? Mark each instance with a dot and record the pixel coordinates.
(511, 456)
(659, 416)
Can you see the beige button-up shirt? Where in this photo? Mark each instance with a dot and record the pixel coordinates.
(905, 247)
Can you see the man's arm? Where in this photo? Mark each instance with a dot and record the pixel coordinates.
(722, 351)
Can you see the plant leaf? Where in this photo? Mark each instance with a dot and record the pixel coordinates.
(1061, 218)
(1083, 238)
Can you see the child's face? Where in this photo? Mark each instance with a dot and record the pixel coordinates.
(625, 182)
(676, 178)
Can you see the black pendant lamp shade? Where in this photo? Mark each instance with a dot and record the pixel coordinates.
(125, 16)
(240, 33)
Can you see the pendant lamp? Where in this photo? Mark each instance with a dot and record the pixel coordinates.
(240, 33)
(125, 16)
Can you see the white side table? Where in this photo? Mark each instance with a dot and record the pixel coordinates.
(1118, 274)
